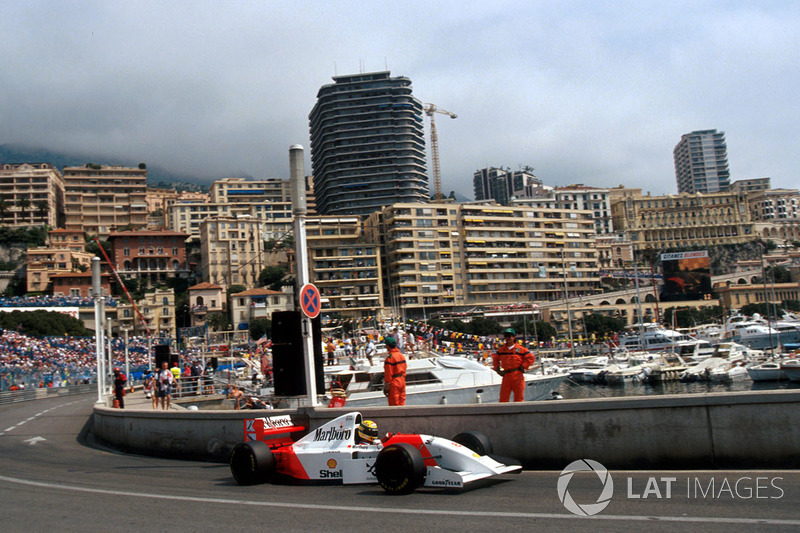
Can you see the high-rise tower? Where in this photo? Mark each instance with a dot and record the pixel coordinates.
(367, 145)
(701, 162)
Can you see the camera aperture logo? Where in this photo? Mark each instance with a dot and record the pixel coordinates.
(585, 509)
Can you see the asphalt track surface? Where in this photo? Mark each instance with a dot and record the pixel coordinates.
(52, 478)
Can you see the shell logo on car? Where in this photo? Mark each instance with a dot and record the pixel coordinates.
(331, 463)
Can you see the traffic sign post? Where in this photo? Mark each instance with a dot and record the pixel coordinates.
(310, 300)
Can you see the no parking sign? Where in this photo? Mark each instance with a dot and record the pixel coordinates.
(310, 301)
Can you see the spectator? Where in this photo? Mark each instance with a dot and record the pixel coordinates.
(166, 380)
(119, 387)
(149, 389)
(330, 348)
(176, 373)
(237, 396)
(370, 350)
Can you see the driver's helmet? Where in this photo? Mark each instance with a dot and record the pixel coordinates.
(367, 431)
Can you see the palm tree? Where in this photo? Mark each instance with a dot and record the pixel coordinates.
(217, 321)
(23, 204)
(41, 209)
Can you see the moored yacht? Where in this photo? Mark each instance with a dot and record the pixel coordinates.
(750, 332)
(792, 369)
(651, 338)
(766, 371)
(440, 380)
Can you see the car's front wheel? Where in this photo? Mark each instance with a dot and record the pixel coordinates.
(400, 468)
(252, 463)
(475, 441)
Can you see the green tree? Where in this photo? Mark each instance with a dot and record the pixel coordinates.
(41, 208)
(687, 317)
(236, 289)
(260, 327)
(271, 277)
(43, 323)
(218, 321)
(93, 248)
(542, 330)
(4, 207)
(601, 324)
(484, 326)
(23, 204)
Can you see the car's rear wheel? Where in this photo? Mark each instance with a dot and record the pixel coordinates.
(400, 468)
(252, 463)
(475, 441)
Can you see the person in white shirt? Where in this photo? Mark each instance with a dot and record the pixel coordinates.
(370, 350)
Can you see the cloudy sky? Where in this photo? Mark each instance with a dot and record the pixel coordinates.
(585, 92)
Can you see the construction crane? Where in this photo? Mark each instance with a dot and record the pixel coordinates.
(430, 109)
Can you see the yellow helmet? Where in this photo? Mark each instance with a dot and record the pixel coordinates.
(367, 431)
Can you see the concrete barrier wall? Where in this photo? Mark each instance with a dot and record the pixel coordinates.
(730, 430)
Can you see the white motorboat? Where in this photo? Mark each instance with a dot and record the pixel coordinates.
(651, 337)
(750, 332)
(791, 368)
(633, 374)
(441, 380)
(766, 371)
(702, 370)
(589, 371)
(696, 350)
(729, 373)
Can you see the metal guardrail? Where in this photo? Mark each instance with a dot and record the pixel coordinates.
(46, 392)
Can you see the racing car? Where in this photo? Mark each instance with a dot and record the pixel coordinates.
(336, 453)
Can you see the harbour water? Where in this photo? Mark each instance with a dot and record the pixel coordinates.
(572, 390)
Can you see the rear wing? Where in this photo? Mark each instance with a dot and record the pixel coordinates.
(274, 430)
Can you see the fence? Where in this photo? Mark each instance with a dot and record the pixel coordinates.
(43, 393)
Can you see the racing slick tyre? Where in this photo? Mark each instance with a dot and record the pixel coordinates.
(400, 469)
(252, 463)
(475, 441)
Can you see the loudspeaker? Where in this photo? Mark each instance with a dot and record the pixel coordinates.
(162, 353)
(288, 366)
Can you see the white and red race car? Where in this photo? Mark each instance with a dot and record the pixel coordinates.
(399, 463)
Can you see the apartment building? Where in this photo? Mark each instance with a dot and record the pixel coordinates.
(367, 144)
(776, 205)
(64, 252)
(186, 216)
(578, 198)
(151, 255)
(345, 268)
(268, 200)
(750, 185)
(158, 315)
(78, 284)
(31, 194)
(445, 256)
(701, 162)
(205, 298)
(257, 303)
(160, 199)
(232, 250)
(502, 185)
(672, 221)
(100, 199)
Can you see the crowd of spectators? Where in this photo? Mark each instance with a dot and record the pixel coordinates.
(46, 300)
(33, 362)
